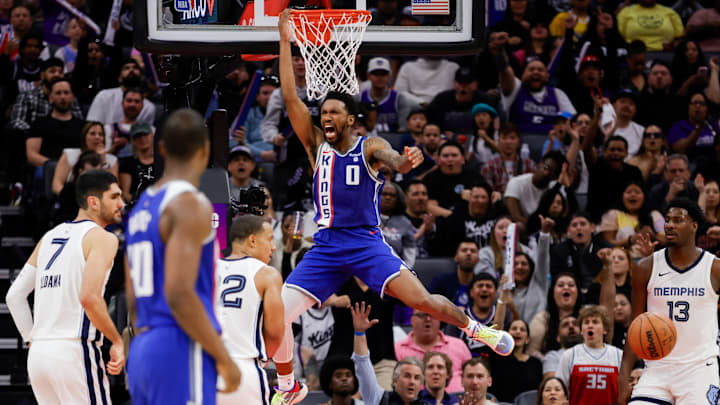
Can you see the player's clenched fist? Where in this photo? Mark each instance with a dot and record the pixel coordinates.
(414, 155)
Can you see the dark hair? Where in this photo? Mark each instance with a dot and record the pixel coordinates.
(509, 127)
(642, 144)
(30, 35)
(693, 210)
(399, 207)
(643, 214)
(91, 183)
(416, 112)
(449, 144)
(59, 80)
(661, 63)
(244, 226)
(680, 68)
(85, 129)
(579, 214)
(482, 276)
(184, 133)
(538, 401)
(636, 47)
(434, 124)
(550, 341)
(87, 157)
(349, 102)
(412, 183)
(531, 264)
(617, 138)
(467, 240)
(328, 368)
(133, 90)
(475, 361)
(558, 157)
(546, 200)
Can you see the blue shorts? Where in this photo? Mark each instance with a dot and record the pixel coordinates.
(340, 253)
(165, 366)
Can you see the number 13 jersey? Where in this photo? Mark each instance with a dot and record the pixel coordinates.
(346, 189)
(688, 298)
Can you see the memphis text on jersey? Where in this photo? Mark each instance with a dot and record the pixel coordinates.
(679, 291)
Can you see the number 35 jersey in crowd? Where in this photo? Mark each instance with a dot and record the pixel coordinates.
(58, 313)
(591, 374)
(146, 253)
(687, 297)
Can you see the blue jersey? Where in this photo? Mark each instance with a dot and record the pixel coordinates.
(346, 190)
(146, 254)
(387, 110)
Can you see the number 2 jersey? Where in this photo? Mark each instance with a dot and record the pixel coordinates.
(688, 298)
(58, 313)
(146, 254)
(591, 374)
(346, 189)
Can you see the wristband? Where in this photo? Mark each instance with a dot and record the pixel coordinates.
(359, 333)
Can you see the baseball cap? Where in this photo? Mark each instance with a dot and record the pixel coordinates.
(564, 114)
(241, 150)
(140, 128)
(464, 75)
(625, 93)
(590, 60)
(378, 63)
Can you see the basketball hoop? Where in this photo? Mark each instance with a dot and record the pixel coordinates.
(328, 41)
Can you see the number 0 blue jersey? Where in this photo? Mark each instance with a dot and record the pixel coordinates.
(146, 253)
(346, 190)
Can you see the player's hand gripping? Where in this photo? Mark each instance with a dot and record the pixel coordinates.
(361, 317)
(230, 374)
(414, 155)
(117, 358)
(284, 25)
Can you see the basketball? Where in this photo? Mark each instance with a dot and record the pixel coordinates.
(652, 336)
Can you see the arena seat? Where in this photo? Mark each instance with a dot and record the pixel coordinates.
(526, 398)
(394, 140)
(428, 268)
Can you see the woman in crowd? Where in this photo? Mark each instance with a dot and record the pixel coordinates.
(552, 391)
(695, 136)
(519, 372)
(540, 46)
(563, 299)
(621, 266)
(557, 204)
(483, 143)
(623, 225)
(137, 172)
(396, 227)
(650, 158)
(92, 139)
(623, 316)
(492, 258)
(515, 23)
(689, 69)
(709, 202)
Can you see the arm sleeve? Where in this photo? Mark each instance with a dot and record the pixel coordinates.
(269, 127)
(369, 387)
(623, 18)
(402, 82)
(254, 139)
(550, 362)
(513, 190)
(564, 367)
(17, 303)
(486, 262)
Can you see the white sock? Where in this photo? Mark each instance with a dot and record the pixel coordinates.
(470, 327)
(286, 382)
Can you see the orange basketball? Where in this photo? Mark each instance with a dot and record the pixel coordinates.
(652, 336)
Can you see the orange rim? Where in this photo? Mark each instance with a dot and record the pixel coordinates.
(331, 18)
(330, 14)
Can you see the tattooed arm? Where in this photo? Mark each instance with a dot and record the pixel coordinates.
(379, 151)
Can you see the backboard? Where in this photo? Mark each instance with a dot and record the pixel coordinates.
(221, 27)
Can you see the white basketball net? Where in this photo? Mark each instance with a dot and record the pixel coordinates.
(329, 47)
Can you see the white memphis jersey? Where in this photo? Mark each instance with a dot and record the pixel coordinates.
(58, 313)
(239, 307)
(688, 298)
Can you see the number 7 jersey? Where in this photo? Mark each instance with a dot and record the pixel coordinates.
(146, 254)
(688, 298)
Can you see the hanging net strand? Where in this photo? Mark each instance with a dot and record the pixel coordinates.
(328, 42)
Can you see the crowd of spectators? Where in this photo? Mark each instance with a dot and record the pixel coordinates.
(578, 121)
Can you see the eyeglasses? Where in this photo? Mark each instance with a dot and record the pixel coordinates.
(653, 134)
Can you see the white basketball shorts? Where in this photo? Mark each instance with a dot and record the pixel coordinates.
(253, 389)
(691, 384)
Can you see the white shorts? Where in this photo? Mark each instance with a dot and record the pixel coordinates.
(692, 384)
(253, 389)
(68, 371)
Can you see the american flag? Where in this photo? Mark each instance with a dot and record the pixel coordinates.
(428, 7)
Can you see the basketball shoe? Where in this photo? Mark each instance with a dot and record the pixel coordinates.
(291, 397)
(499, 341)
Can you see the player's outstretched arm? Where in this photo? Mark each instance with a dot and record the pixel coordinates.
(269, 283)
(100, 247)
(297, 110)
(640, 278)
(184, 236)
(379, 150)
(16, 297)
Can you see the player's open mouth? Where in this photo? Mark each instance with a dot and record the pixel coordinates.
(329, 130)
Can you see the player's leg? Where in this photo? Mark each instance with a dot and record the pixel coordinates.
(652, 388)
(253, 387)
(40, 373)
(697, 384)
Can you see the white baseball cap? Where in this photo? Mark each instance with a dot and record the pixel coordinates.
(378, 64)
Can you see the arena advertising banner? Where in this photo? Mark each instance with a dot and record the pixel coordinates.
(197, 11)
